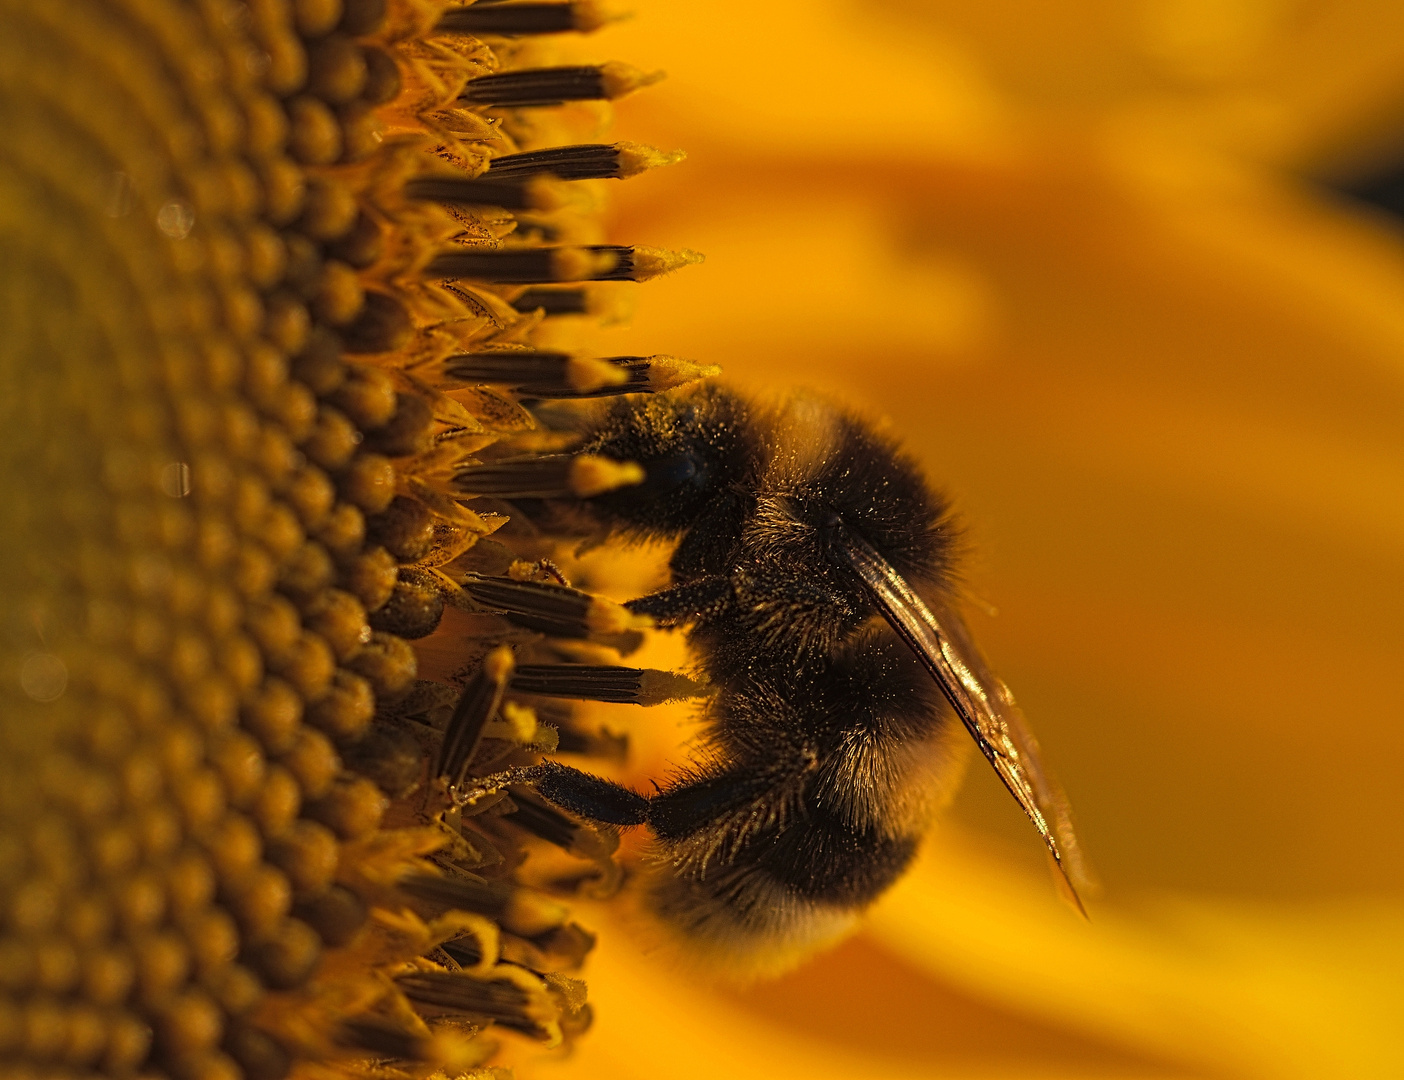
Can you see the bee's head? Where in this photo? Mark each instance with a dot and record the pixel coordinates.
(697, 449)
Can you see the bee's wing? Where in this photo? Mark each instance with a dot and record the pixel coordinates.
(983, 703)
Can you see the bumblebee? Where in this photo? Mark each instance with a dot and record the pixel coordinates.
(813, 570)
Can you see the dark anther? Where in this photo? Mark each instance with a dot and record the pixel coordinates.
(502, 1001)
(464, 951)
(510, 194)
(588, 161)
(553, 302)
(546, 374)
(478, 704)
(541, 476)
(551, 609)
(537, 266)
(538, 86)
(588, 682)
(511, 20)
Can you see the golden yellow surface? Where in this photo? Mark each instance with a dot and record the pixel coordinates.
(1065, 248)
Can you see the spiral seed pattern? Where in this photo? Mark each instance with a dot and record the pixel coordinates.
(229, 446)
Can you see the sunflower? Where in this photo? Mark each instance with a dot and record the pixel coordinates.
(1074, 252)
(274, 276)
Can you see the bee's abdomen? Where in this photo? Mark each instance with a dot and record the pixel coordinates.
(826, 861)
(816, 855)
(783, 895)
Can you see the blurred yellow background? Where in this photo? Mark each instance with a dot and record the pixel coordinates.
(1067, 248)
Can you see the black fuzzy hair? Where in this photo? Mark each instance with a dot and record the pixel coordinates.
(700, 451)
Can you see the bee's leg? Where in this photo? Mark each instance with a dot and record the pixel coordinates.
(775, 786)
(673, 813)
(771, 788)
(588, 796)
(681, 811)
(679, 604)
